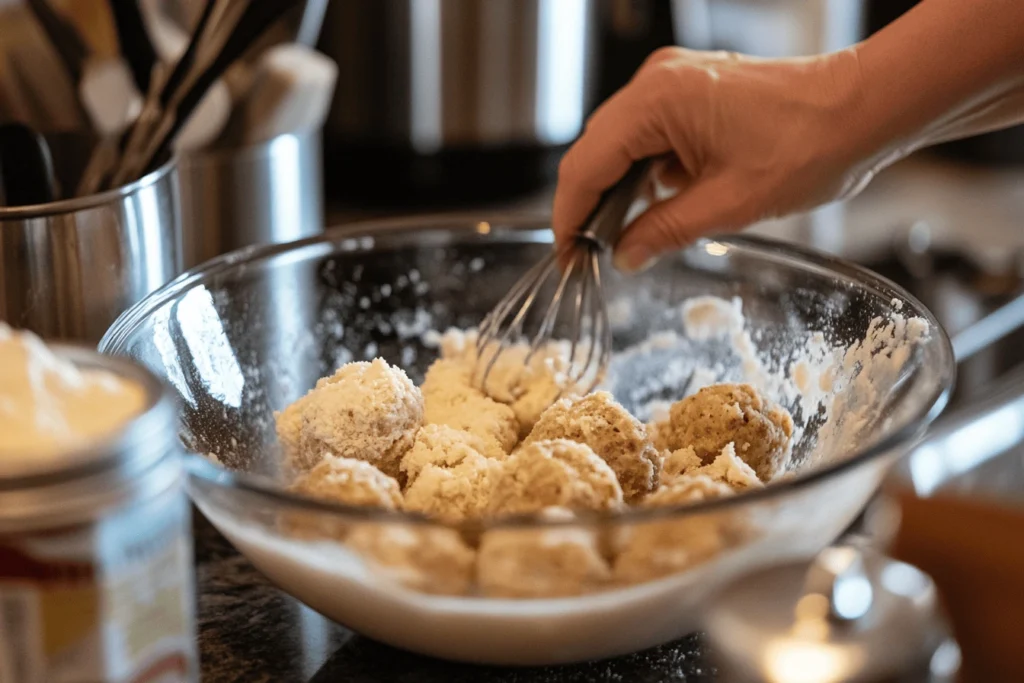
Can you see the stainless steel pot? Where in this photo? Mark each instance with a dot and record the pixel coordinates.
(422, 79)
(69, 268)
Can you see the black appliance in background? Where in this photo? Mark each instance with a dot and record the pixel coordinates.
(998, 148)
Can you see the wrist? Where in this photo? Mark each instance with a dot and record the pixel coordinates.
(852, 140)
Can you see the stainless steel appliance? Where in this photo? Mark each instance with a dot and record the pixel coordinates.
(440, 99)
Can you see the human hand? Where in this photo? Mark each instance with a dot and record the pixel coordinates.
(746, 138)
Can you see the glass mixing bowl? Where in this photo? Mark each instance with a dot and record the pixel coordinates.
(248, 333)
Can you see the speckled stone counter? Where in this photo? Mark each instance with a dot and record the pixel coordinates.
(250, 631)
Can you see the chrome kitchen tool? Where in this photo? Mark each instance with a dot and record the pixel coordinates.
(853, 615)
(311, 22)
(134, 40)
(213, 112)
(578, 282)
(65, 39)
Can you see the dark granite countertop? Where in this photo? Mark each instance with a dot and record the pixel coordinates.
(250, 631)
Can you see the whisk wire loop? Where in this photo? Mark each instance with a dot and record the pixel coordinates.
(579, 282)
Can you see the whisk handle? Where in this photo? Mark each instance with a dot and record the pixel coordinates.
(606, 222)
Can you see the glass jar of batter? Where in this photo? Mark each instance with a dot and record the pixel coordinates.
(96, 571)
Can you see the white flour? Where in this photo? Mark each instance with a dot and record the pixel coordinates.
(48, 405)
(842, 390)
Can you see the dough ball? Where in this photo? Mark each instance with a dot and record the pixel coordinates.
(598, 421)
(350, 482)
(454, 493)
(541, 563)
(659, 434)
(716, 415)
(451, 400)
(529, 384)
(657, 549)
(558, 473)
(422, 559)
(338, 480)
(440, 445)
(366, 411)
(652, 550)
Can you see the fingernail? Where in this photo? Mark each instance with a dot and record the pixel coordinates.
(635, 259)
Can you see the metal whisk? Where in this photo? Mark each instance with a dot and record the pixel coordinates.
(579, 281)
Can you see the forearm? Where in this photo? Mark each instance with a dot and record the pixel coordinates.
(945, 70)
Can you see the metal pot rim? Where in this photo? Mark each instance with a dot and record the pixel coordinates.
(75, 204)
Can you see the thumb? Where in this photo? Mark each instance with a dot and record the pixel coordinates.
(706, 206)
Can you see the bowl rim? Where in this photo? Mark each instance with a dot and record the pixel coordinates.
(535, 228)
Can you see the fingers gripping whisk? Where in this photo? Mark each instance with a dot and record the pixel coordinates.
(525, 316)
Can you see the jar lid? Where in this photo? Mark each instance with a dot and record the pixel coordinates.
(852, 615)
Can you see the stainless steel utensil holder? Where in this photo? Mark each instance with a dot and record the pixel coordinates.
(266, 193)
(69, 268)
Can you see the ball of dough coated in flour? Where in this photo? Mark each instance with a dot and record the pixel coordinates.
(450, 399)
(541, 563)
(441, 446)
(368, 411)
(423, 559)
(338, 480)
(350, 482)
(679, 462)
(529, 383)
(716, 415)
(727, 468)
(651, 550)
(687, 488)
(598, 421)
(558, 473)
(448, 476)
